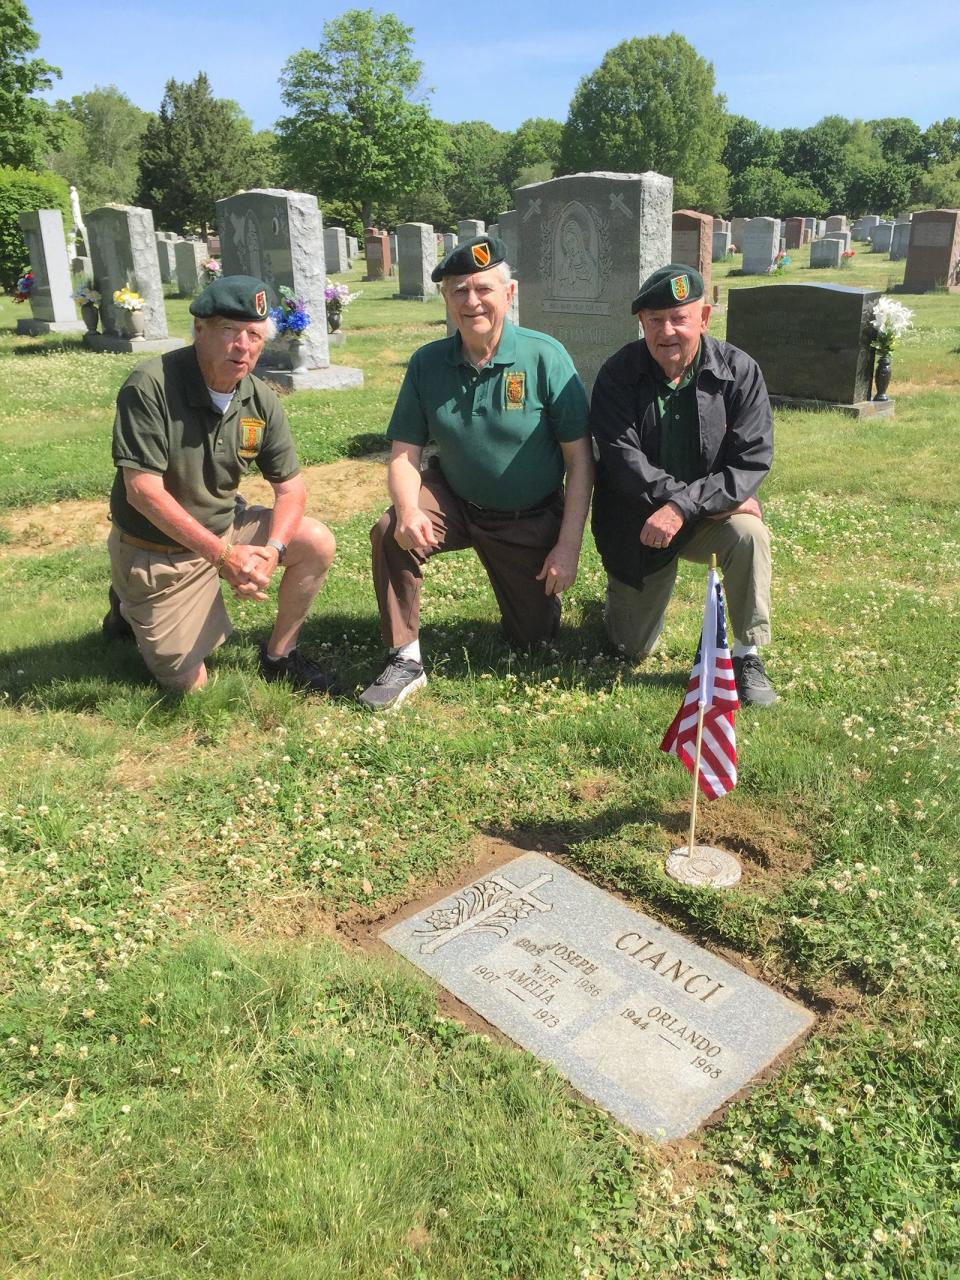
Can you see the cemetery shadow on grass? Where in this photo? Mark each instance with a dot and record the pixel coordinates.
(81, 673)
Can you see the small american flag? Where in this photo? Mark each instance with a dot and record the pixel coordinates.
(712, 685)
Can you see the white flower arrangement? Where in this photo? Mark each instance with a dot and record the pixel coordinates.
(890, 320)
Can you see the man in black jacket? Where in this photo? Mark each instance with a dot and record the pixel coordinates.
(685, 436)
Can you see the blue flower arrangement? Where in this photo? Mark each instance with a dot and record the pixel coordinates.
(292, 316)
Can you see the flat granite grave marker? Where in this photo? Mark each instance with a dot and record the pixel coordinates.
(642, 1021)
(812, 343)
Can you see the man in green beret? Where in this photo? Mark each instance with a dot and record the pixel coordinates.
(189, 426)
(512, 473)
(685, 438)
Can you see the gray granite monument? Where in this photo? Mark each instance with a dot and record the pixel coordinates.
(826, 253)
(644, 1022)
(881, 236)
(277, 235)
(467, 228)
(761, 240)
(123, 247)
(722, 241)
(51, 304)
(417, 257)
(335, 250)
(188, 255)
(933, 252)
(899, 241)
(586, 242)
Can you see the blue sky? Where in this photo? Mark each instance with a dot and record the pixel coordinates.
(504, 62)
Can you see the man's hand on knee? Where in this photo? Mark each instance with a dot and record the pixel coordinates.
(751, 507)
(248, 569)
(662, 527)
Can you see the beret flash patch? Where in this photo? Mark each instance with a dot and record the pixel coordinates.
(481, 254)
(680, 288)
(261, 303)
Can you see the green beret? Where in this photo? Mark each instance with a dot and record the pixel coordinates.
(478, 254)
(672, 286)
(236, 297)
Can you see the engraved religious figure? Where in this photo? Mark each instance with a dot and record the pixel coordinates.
(576, 265)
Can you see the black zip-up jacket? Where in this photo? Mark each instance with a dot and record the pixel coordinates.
(736, 448)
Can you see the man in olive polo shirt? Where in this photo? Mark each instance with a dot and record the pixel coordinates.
(685, 438)
(512, 473)
(188, 427)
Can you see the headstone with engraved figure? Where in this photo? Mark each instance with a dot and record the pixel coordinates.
(586, 242)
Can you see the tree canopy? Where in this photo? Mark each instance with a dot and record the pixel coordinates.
(28, 126)
(100, 152)
(197, 150)
(356, 134)
(650, 105)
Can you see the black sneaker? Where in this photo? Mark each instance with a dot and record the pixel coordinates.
(115, 626)
(399, 678)
(298, 670)
(753, 687)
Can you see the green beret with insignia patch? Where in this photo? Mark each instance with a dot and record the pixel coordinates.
(478, 254)
(236, 297)
(671, 286)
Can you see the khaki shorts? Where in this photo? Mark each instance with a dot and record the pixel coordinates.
(173, 602)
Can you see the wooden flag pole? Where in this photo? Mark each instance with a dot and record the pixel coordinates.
(701, 709)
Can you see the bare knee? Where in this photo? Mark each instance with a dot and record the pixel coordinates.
(313, 543)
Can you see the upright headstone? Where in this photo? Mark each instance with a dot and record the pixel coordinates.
(353, 248)
(277, 235)
(586, 242)
(856, 231)
(836, 222)
(417, 257)
(809, 230)
(821, 229)
(448, 242)
(692, 243)
(933, 255)
(899, 241)
(881, 236)
(494, 229)
(811, 341)
(467, 228)
(376, 247)
(394, 252)
(335, 250)
(793, 232)
(509, 224)
(123, 246)
(867, 223)
(189, 254)
(721, 245)
(761, 240)
(51, 302)
(826, 252)
(166, 258)
(737, 228)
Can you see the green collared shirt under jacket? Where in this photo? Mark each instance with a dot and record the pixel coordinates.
(166, 424)
(497, 429)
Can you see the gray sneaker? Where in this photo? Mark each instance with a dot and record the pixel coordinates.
(753, 687)
(398, 679)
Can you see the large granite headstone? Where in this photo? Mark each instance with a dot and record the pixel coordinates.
(644, 1022)
(51, 304)
(376, 248)
(761, 240)
(277, 235)
(933, 254)
(394, 252)
(836, 222)
(509, 225)
(467, 228)
(793, 230)
(586, 242)
(166, 257)
(335, 250)
(123, 247)
(692, 243)
(417, 257)
(448, 242)
(737, 228)
(722, 241)
(353, 248)
(811, 341)
(881, 236)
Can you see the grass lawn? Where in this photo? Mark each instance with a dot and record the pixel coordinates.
(200, 1075)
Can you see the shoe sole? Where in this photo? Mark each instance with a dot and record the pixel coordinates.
(401, 697)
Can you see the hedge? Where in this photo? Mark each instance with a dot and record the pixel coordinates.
(23, 189)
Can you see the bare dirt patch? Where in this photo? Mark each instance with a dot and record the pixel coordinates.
(336, 491)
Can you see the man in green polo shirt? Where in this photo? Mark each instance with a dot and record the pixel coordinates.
(512, 473)
(189, 425)
(685, 438)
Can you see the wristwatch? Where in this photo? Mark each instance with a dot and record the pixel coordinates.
(279, 547)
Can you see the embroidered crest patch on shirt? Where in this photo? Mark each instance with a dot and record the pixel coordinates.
(251, 436)
(515, 390)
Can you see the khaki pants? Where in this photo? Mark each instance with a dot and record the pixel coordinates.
(512, 545)
(173, 601)
(741, 543)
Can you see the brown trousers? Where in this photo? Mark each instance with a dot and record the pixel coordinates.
(512, 546)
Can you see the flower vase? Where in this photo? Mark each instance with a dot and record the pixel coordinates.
(881, 376)
(334, 320)
(134, 324)
(91, 316)
(298, 354)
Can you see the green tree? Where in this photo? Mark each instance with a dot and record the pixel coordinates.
(900, 139)
(534, 146)
(197, 150)
(475, 161)
(817, 158)
(23, 189)
(100, 153)
(749, 143)
(28, 126)
(941, 141)
(356, 134)
(649, 105)
(938, 187)
(878, 186)
(763, 191)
